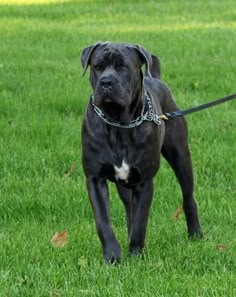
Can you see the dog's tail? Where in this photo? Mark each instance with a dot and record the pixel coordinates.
(155, 68)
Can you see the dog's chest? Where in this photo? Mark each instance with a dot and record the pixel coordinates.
(122, 156)
(122, 172)
(122, 164)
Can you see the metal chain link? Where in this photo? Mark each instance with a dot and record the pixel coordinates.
(149, 116)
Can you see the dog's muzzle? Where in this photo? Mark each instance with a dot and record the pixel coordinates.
(106, 88)
(109, 90)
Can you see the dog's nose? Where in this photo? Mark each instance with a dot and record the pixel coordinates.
(106, 83)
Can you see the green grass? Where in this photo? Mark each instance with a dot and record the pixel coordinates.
(42, 100)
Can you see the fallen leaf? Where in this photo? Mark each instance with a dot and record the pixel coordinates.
(157, 265)
(60, 239)
(177, 213)
(222, 247)
(83, 262)
(71, 170)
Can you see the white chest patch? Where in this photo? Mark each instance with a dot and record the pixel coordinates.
(122, 172)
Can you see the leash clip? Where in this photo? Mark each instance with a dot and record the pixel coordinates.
(156, 120)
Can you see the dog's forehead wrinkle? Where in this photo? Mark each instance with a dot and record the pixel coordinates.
(115, 52)
(110, 57)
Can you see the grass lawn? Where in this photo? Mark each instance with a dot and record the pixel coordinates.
(42, 101)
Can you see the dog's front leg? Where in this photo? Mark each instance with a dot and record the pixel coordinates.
(141, 202)
(99, 198)
(126, 197)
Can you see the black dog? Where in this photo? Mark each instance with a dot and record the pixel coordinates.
(123, 138)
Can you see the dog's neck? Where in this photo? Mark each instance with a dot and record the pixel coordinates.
(124, 115)
(137, 106)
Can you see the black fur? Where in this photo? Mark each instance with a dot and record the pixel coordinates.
(118, 82)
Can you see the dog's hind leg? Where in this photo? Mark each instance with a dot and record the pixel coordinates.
(176, 151)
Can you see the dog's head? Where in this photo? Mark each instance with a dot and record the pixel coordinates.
(116, 75)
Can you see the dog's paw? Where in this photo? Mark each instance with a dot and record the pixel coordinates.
(112, 260)
(135, 250)
(195, 234)
(112, 255)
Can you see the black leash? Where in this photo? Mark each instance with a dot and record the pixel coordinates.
(179, 113)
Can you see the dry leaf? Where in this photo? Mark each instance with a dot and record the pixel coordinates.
(71, 170)
(59, 239)
(177, 213)
(222, 247)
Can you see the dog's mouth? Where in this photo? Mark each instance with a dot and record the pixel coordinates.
(104, 100)
(107, 100)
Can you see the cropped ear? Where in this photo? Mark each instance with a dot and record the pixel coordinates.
(145, 58)
(86, 54)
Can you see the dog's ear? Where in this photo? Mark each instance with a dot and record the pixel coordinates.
(145, 58)
(151, 62)
(86, 54)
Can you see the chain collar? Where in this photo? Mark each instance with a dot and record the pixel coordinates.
(148, 116)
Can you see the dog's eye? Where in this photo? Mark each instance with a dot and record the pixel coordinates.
(122, 67)
(98, 67)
